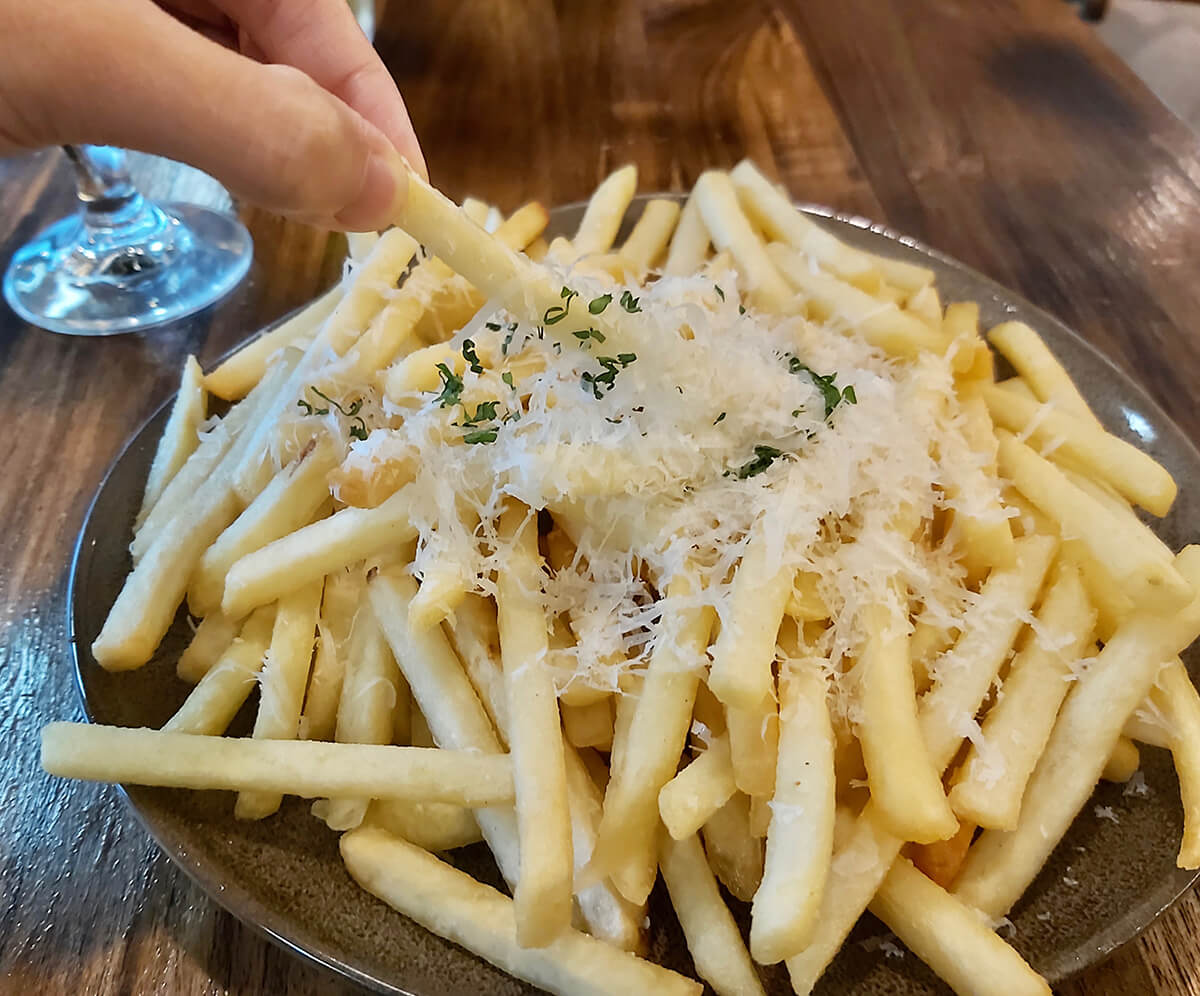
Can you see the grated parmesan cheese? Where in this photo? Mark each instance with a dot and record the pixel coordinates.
(651, 471)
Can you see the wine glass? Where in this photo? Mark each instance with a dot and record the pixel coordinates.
(124, 263)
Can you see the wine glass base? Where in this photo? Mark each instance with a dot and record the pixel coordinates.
(172, 261)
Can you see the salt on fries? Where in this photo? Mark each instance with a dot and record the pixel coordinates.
(712, 570)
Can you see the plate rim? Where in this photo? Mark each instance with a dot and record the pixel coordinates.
(273, 926)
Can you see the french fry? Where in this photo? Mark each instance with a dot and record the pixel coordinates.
(146, 605)
(366, 710)
(629, 691)
(1122, 762)
(179, 439)
(343, 593)
(440, 687)
(293, 767)
(282, 683)
(690, 243)
(942, 859)
(928, 642)
(772, 210)
(729, 229)
(589, 725)
(753, 743)
(435, 826)
(717, 948)
(313, 551)
(238, 375)
(1136, 475)
(688, 800)
(289, 502)
(365, 294)
(479, 918)
(477, 640)
(1001, 864)
(800, 839)
(211, 639)
(743, 654)
(1017, 386)
(981, 525)
(988, 787)
(542, 896)
(1176, 697)
(360, 244)
(881, 324)
(966, 671)
(431, 297)
(1039, 369)
(650, 236)
(444, 585)
(804, 602)
(760, 815)
(606, 914)
(1140, 570)
(905, 781)
(605, 209)
(950, 938)
(152, 592)
(961, 318)
(860, 865)
(652, 744)
(926, 305)
(734, 853)
(214, 447)
(220, 693)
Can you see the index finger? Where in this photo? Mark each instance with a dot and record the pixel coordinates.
(322, 39)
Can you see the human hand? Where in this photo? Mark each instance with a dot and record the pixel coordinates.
(283, 101)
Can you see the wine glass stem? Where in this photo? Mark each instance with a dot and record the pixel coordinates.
(102, 184)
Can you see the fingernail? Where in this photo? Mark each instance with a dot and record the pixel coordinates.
(383, 196)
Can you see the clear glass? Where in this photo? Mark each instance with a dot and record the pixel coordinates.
(124, 263)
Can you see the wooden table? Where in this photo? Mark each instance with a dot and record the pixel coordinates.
(1003, 133)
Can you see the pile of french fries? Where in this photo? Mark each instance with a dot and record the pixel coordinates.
(920, 769)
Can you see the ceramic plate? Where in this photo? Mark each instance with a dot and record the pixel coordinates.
(1110, 877)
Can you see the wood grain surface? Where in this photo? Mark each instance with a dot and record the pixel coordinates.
(999, 131)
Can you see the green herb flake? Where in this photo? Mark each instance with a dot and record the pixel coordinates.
(481, 436)
(469, 354)
(764, 456)
(831, 394)
(358, 427)
(557, 313)
(720, 293)
(492, 326)
(485, 411)
(452, 386)
(741, 309)
(598, 304)
(629, 302)
(719, 418)
(507, 377)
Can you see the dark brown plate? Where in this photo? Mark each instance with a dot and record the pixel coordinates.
(1106, 882)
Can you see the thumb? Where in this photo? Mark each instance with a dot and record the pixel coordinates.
(145, 81)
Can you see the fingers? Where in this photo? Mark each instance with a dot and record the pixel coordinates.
(125, 73)
(322, 38)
